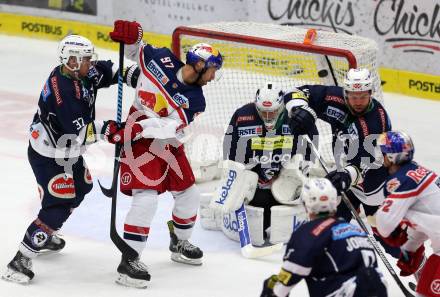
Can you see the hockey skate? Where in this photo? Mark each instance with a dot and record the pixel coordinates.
(133, 273)
(183, 251)
(53, 245)
(19, 269)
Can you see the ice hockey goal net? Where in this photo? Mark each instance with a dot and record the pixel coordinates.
(256, 53)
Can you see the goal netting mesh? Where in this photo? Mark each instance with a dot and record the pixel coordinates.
(255, 53)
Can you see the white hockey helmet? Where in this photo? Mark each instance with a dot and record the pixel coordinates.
(319, 196)
(269, 101)
(75, 46)
(358, 80)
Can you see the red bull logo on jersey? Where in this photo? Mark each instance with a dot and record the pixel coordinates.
(155, 102)
(158, 73)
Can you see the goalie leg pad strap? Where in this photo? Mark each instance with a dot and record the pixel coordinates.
(284, 220)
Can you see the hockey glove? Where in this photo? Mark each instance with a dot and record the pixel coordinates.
(115, 133)
(409, 262)
(131, 75)
(397, 238)
(268, 286)
(126, 32)
(302, 120)
(341, 180)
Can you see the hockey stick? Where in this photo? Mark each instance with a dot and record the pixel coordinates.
(361, 223)
(247, 249)
(113, 191)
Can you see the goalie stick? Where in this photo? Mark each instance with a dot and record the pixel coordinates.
(247, 249)
(361, 223)
(113, 191)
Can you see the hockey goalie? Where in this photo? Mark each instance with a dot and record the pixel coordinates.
(263, 169)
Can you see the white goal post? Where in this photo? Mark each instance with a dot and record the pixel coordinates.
(258, 52)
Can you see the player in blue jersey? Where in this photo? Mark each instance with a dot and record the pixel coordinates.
(334, 257)
(62, 128)
(169, 93)
(357, 119)
(410, 214)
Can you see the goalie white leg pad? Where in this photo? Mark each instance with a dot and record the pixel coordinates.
(255, 225)
(284, 220)
(236, 186)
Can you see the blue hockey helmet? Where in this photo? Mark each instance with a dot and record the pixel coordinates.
(204, 52)
(397, 146)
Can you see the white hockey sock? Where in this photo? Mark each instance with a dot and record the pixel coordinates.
(138, 220)
(186, 203)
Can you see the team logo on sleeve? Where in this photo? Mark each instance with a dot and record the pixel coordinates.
(392, 185)
(62, 186)
(46, 91)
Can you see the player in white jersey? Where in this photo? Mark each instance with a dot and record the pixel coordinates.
(410, 214)
(168, 95)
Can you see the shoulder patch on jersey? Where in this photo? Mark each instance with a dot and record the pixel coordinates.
(344, 230)
(322, 226)
(247, 118)
(336, 113)
(392, 185)
(181, 100)
(62, 186)
(56, 90)
(46, 91)
(157, 72)
(334, 98)
(285, 130)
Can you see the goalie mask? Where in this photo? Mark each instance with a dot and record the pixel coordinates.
(269, 101)
(319, 196)
(75, 46)
(397, 146)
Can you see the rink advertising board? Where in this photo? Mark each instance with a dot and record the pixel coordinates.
(56, 29)
(75, 6)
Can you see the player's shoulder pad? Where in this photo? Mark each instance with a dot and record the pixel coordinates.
(246, 114)
(409, 181)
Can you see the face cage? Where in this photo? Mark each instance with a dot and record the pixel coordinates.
(270, 118)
